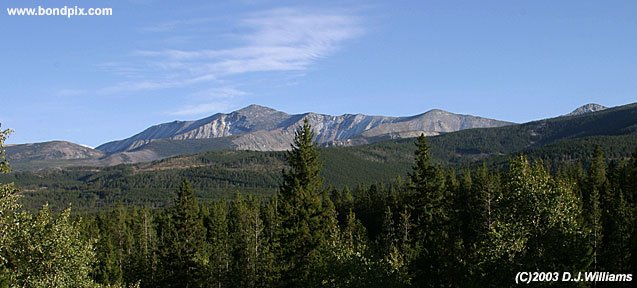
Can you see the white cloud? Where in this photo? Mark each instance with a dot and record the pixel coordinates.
(279, 40)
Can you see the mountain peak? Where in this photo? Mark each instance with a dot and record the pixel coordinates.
(257, 127)
(588, 108)
(438, 111)
(254, 108)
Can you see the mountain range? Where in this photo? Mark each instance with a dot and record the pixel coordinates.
(255, 128)
(264, 129)
(260, 128)
(90, 180)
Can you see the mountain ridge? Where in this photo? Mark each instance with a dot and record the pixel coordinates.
(562, 139)
(460, 146)
(262, 128)
(51, 150)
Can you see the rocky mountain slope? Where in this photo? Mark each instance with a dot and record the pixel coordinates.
(569, 139)
(264, 129)
(588, 108)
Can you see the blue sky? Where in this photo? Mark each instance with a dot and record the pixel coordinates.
(90, 80)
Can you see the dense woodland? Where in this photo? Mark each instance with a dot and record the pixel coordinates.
(435, 227)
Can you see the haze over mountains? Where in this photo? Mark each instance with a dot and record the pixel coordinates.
(253, 128)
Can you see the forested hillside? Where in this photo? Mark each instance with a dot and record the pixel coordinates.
(437, 227)
(219, 174)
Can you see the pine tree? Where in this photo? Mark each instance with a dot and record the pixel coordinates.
(388, 237)
(481, 202)
(142, 265)
(108, 270)
(390, 247)
(353, 235)
(270, 273)
(218, 238)
(430, 206)
(406, 251)
(305, 219)
(617, 248)
(596, 188)
(247, 241)
(123, 241)
(183, 248)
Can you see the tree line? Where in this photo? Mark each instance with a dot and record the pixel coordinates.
(438, 227)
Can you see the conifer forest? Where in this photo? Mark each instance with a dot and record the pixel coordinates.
(437, 225)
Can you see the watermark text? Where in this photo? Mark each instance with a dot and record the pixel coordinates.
(66, 11)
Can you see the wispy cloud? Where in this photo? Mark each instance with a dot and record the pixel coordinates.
(210, 101)
(279, 40)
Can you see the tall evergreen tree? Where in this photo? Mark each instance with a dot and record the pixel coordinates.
(402, 256)
(247, 241)
(617, 250)
(270, 272)
(183, 251)
(481, 203)
(430, 206)
(388, 238)
(218, 238)
(305, 219)
(109, 269)
(143, 262)
(596, 189)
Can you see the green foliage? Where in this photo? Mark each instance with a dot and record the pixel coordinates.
(218, 238)
(353, 265)
(44, 250)
(306, 226)
(219, 174)
(446, 227)
(247, 242)
(430, 207)
(523, 220)
(49, 251)
(595, 188)
(41, 250)
(182, 249)
(8, 207)
(536, 225)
